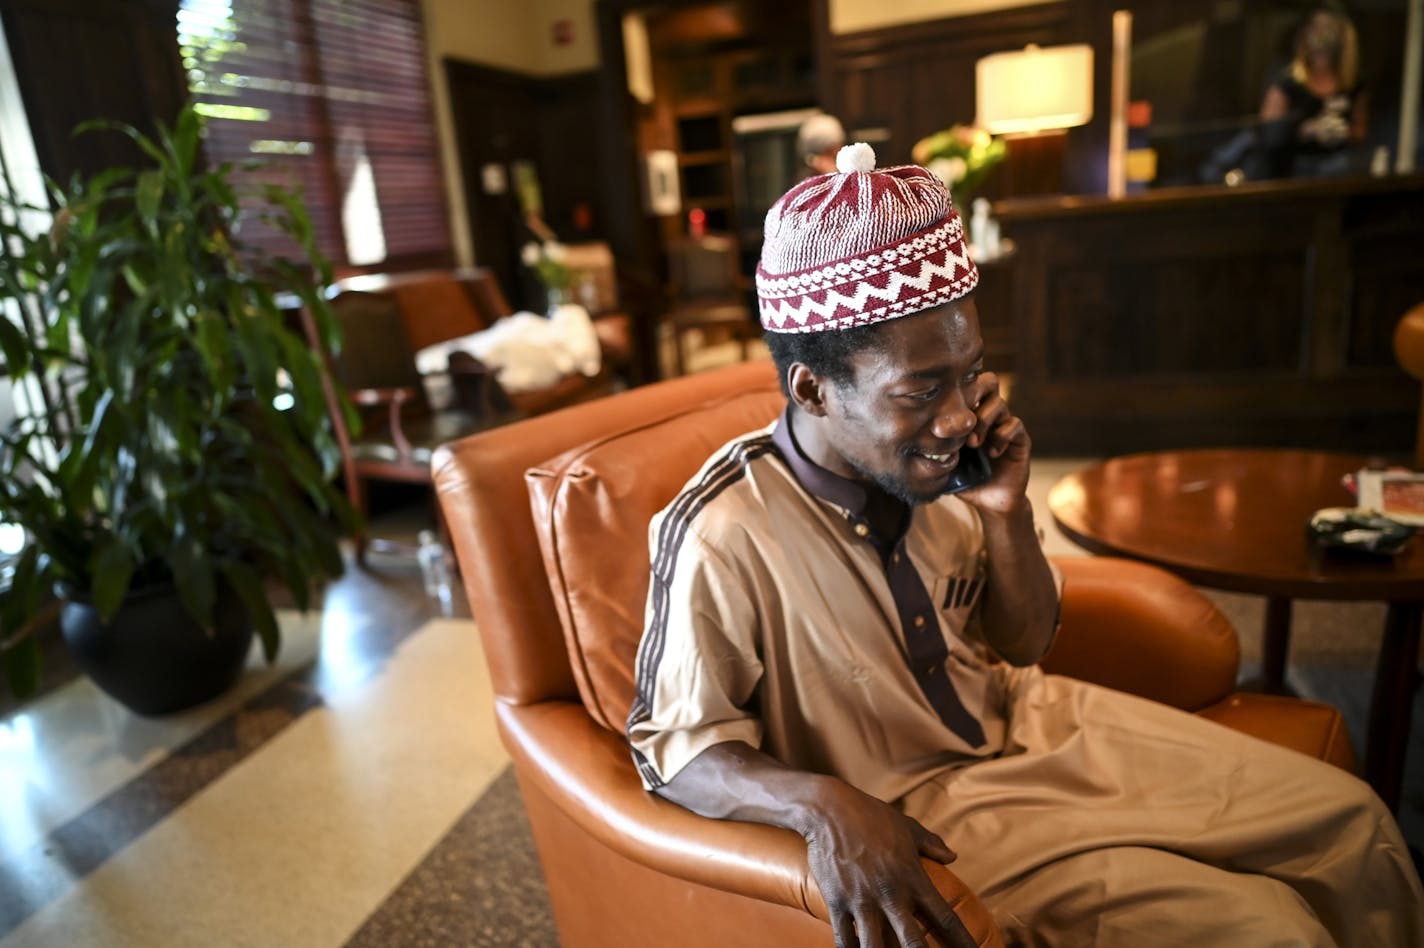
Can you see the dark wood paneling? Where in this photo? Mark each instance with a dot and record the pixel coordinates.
(78, 60)
(501, 117)
(1176, 317)
(1387, 259)
(496, 119)
(1170, 304)
(569, 159)
(916, 79)
(994, 299)
(1193, 317)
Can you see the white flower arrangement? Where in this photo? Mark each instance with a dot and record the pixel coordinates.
(961, 156)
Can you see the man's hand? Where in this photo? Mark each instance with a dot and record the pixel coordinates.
(863, 853)
(1020, 604)
(1002, 437)
(865, 857)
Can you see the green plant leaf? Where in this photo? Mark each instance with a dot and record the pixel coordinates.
(248, 586)
(136, 281)
(183, 142)
(137, 137)
(14, 346)
(112, 567)
(19, 602)
(80, 461)
(193, 575)
(148, 194)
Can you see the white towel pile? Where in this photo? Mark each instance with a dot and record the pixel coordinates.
(526, 351)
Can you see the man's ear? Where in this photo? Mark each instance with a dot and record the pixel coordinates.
(808, 390)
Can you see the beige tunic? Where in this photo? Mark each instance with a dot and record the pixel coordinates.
(1086, 817)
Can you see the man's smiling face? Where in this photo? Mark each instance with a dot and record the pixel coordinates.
(901, 422)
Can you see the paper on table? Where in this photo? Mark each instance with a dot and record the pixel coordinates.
(1398, 495)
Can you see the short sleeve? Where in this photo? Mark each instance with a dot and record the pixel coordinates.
(698, 662)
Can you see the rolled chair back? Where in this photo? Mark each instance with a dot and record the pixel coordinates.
(481, 485)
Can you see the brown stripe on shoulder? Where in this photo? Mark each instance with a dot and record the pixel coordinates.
(730, 469)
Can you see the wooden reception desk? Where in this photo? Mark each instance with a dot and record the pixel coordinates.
(1188, 317)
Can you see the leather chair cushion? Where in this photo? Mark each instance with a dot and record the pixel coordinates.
(591, 509)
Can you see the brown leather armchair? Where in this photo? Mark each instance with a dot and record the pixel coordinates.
(549, 520)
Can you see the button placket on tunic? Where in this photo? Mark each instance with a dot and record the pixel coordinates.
(925, 647)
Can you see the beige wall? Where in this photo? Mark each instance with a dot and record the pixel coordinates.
(513, 34)
(516, 35)
(851, 16)
(579, 55)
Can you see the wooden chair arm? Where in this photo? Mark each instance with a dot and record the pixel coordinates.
(396, 397)
(383, 396)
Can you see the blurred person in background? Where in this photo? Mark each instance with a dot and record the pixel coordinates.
(817, 142)
(1316, 108)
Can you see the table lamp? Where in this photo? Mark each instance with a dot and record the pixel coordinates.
(1033, 96)
(1035, 90)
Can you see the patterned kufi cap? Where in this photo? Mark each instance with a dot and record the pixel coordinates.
(861, 246)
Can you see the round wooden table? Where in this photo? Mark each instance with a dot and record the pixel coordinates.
(1235, 519)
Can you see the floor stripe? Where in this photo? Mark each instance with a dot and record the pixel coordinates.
(63, 753)
(296, 843)
(481, 887)
(34, 875)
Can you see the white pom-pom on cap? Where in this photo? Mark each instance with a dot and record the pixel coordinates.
(857, 157)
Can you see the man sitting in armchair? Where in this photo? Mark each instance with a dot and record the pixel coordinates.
(836, 646)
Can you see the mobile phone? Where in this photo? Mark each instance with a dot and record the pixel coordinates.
(973, 469)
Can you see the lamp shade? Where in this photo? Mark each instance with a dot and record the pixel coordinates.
(1035, 89)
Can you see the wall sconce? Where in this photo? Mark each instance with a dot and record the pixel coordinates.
(1035, 89)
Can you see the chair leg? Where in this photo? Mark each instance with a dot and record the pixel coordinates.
(356, 494)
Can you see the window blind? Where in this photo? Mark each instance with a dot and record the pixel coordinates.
(331, 97)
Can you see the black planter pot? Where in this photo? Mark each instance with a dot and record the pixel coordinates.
(152, 656)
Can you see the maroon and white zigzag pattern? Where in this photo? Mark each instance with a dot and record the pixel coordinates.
(907, 289)
(948, 234)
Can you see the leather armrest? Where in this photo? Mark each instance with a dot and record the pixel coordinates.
(1137, 628)
(588, 772)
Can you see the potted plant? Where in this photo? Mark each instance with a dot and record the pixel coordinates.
(176, 453)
